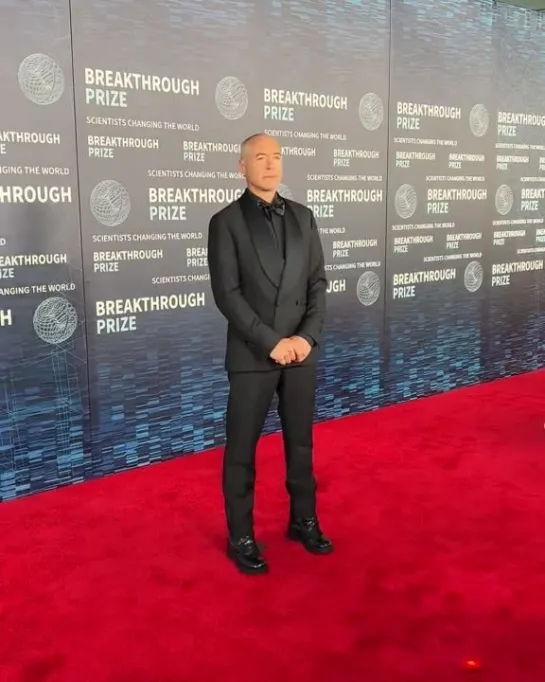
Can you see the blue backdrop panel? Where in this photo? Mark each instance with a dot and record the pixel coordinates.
(43, 375)
(513, 334)
(439, 210)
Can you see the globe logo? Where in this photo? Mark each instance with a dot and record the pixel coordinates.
(371, 111)
(285, 191)
(368, 288)
(405, 201)
(504, 199)
(473, 276)
(110, 203)
(231, 98)
(41, 79)
(479, 120)
(55, 320)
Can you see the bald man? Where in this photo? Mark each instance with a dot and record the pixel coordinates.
(268, 280)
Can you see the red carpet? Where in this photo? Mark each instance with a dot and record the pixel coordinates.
(437, 509)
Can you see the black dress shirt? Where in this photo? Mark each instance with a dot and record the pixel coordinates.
(275, 220)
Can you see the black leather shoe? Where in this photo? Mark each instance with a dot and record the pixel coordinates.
(308, 533)
(245, 553)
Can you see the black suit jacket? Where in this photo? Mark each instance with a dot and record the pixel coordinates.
(264, 297)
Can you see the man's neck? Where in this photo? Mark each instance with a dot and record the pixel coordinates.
(267, 196)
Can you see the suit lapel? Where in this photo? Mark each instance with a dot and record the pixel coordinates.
(267, 252)
(294, 251)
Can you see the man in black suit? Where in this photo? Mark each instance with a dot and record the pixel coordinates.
(268, 280)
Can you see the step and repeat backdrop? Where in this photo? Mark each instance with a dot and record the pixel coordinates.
(414, 130)
(44, 390)
(440, 177)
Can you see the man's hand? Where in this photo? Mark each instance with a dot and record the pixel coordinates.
(284, 352)
(302, 347)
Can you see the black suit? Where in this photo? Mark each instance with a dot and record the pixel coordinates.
(268, 280)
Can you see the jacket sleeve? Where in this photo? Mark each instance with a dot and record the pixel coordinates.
(313, 321)
(225, 282)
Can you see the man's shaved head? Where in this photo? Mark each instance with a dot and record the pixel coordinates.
(246, 145)
(261, 164)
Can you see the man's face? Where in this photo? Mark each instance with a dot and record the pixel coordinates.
(262, 164)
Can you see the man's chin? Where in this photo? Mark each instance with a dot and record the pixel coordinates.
(267, 186)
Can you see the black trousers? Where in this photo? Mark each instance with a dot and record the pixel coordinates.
(250, 398)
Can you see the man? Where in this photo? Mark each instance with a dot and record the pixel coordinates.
(268, 280)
